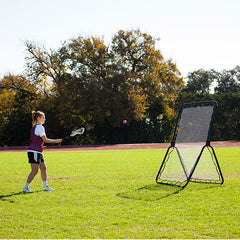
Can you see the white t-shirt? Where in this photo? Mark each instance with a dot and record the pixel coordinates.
(40, 130)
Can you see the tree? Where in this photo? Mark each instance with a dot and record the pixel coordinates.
(229, 81)
(200, 81)
(135, 53)
(97, 84)
(17, 99)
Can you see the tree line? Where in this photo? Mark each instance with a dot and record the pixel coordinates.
(88, 83)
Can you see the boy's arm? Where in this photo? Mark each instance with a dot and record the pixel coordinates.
(48, 140)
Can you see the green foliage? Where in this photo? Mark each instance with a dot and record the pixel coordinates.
(113, 195)
(227, 123)
(229, 81)
(203, 81)
(17, 98)
(88, 83)
(109, 82)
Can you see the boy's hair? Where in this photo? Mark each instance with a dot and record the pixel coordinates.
(35, 115)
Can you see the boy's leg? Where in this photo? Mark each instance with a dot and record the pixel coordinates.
(43, 169)
(31, 176)
(33, 173)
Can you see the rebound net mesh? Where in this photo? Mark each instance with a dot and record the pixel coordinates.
(190, 156)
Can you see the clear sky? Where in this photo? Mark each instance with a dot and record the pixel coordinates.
(193, 33)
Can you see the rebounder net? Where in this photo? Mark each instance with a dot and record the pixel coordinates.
(190, 156)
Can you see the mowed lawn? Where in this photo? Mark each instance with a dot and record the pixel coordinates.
(113, 194)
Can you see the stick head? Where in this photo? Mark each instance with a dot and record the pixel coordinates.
(77, 131)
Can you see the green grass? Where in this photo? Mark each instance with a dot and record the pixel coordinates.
(113, 194)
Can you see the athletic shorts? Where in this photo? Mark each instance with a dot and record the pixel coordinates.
(34, 157)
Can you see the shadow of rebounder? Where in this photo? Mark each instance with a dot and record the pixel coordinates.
(190, 157)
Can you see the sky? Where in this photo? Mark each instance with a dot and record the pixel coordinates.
(195, 34)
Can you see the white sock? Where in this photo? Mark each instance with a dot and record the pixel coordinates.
(44, 183)
(26, 185)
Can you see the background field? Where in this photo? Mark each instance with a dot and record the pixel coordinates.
(113, 194)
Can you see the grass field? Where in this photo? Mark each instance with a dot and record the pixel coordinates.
(113, 194)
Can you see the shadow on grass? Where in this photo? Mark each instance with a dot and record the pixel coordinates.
(155, 192)
(151, 192)
(5, 197)
(8, 196)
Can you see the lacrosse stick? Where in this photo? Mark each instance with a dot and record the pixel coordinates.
(78, 131)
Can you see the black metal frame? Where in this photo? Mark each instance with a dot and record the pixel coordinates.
(207, 145)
